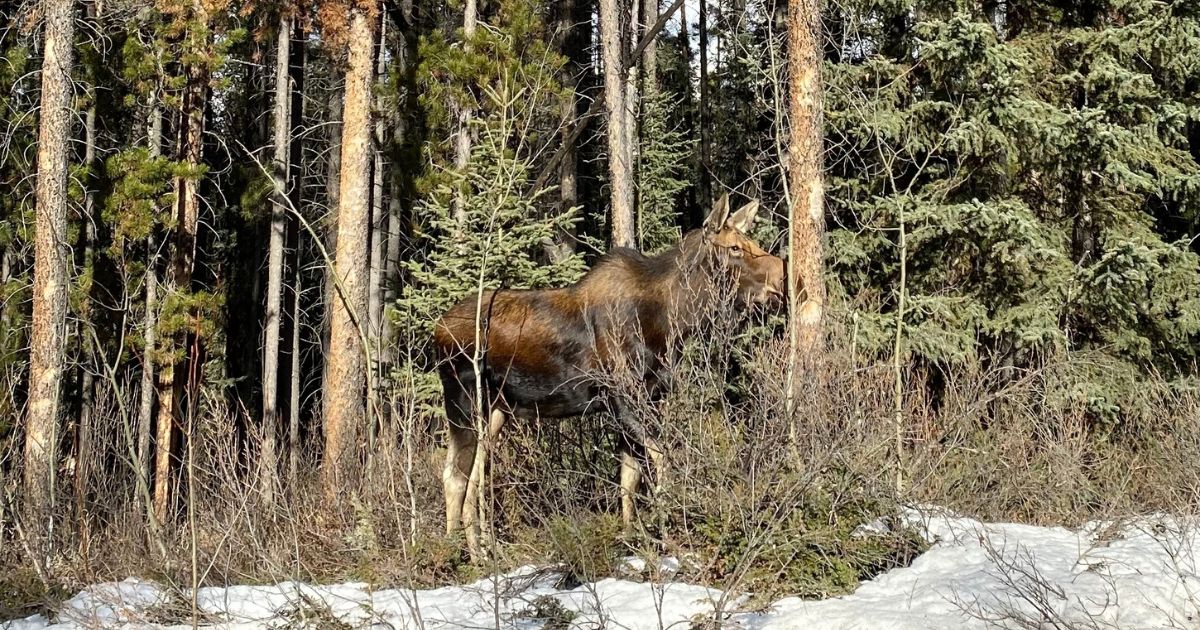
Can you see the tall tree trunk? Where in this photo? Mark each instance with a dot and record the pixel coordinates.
(299, 112)
(83, 446)
(706, 193)
(632, 104)
(150, 325)
(344, 402)
(620, 153)
(462, 144)
(807, 212)
(268, 459)
(48, 358)
(375, 274)
(650, 54)
(333, 188)
(183, 255)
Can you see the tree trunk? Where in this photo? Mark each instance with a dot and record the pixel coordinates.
(344, 402)
(632, 105)
(375, 275)
(294, 403)
(268, 459)
(183, 255)
(333, 188)
(620, 153)
(299, 112)
(462, 144)
(150, 329)
(84, 436)
(706, 194)
(650, 54)
(50, 283)
(807, 213)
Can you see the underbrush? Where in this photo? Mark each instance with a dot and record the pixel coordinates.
(754, 498)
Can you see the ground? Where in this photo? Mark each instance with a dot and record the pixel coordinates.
(1137, 573)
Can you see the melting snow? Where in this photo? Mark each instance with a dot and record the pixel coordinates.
(1139, 574)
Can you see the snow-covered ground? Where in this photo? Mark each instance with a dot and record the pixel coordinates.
(1139, 574)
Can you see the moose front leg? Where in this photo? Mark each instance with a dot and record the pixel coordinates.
(637, 449)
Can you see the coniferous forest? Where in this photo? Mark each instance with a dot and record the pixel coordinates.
(230, 228)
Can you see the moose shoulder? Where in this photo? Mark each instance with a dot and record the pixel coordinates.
(542, 353)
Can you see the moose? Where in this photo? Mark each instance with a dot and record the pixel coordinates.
(532, 354)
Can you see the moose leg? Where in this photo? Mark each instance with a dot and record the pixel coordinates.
(472, 514)
(460, 454)
(631, 477)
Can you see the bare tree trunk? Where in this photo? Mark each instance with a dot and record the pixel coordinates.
(183, 255)
(650, 54)
(50, 283)
(706, 193)
(150, 329)
(299, 111)
(632, 105)
(333, 187)
(462, 144)
(268, 458)
(294, 402)
(344, 397)
(620, 153)
(807, 214)
(375, 274)
(83, 446)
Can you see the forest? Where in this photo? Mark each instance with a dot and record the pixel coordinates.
(232, 227)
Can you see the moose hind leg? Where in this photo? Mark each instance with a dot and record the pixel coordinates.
(471, 515)
(631, 478)
(460, 453)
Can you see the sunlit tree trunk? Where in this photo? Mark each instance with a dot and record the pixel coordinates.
(333, 188)
(620, 153)
(344, 396)
(807, 214)
(183, 255)
(268, 448)
(48, 336)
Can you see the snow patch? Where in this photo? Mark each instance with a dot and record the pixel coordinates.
(1136, 574)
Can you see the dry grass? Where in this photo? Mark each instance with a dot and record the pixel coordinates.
(752, 499)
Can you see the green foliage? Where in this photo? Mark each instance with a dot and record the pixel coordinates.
(662, 173)
(1042, 180)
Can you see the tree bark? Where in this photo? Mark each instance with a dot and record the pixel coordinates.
(706, 195)
(150, 325)
(620, 153)
(462, 144)
(183, 255)
(806, 181)
(48, 336)
(344, 402)
(268, 458)
(84, 439)
(333, 188)
(650, 54)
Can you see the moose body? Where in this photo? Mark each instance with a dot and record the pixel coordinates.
(548, 353)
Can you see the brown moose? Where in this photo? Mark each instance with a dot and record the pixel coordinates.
(543, 352)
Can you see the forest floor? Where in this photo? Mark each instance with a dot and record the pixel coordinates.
(1135, 573)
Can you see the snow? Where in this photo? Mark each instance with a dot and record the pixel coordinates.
(1141, 573)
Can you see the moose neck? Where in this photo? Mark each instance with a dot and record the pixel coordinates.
(689, 284)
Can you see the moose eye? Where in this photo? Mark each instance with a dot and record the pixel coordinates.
(736, 249)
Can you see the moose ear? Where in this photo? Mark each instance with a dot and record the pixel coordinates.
(720, 212)
(743, 219)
